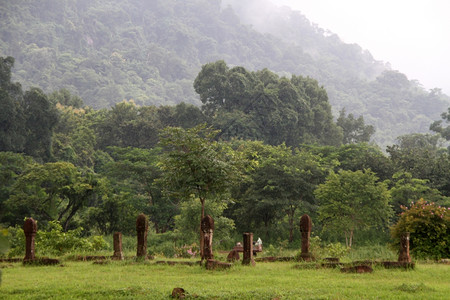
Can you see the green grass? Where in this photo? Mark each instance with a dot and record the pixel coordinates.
(146, 280)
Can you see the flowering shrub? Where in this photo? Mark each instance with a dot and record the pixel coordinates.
(188, 251)
(429, 226)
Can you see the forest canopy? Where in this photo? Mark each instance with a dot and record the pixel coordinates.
(150, 52)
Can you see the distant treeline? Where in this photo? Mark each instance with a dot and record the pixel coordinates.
(151, 51)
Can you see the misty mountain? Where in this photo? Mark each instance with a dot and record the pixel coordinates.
(151, 51)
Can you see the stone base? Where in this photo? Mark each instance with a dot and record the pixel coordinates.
(306, 257)
(274, 258)
(212, 264)
(117, 256)
(43, 261)
(357, 269)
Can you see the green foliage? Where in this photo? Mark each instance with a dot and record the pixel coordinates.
(53, 191)
(261, 105)
(54, 241)
(355, 130)
(336, 250)
(320, 250)
(27, 120)
(350, 201)
(429, 228)
(423, 157)
(281, 183)
(194, 164)
(407, 189)
(187, 223)
(438, 127)
(151, 52)
(4, 244)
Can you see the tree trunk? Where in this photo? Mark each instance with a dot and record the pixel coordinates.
(202, 242)
(351, 238)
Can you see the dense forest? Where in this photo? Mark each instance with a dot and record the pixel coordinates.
(260, 151)
(150, 52)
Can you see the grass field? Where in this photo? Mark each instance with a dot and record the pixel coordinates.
(147, 280)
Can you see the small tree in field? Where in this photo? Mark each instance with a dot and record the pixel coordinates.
(195, 165)
(429, 228)
(352, 201)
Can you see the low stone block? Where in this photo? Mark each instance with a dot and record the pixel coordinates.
(357, 269)
(212, 264)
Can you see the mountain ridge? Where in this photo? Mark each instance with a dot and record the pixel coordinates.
(151, 52)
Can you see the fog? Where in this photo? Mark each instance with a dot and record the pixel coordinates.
(412, 35)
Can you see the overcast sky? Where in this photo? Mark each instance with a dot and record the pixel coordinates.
(412, 35)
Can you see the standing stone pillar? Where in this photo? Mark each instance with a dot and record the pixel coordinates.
(30, 229)
(118, 253)
(305, 229)
(207, 227)
(404, 256)
(248, 249)
(142, 229)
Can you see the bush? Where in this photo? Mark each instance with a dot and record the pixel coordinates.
(429, 228)
(54, 241)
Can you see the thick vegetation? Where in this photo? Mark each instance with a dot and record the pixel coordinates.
(151, 51)
(98, 169)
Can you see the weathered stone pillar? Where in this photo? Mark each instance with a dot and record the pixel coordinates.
(118, 253)
(30, 229)
(248, 249)
(305, 229)
(207, 227)
(404, 249)
(142, 229)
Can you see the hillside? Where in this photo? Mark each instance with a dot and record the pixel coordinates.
(152, 51)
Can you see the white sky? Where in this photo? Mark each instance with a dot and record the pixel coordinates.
(412, 35)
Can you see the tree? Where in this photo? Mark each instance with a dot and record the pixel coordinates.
(283, 181)
(350, 201)
(195, 165)
(420, 155)
(261, 105)
(73, 139)
(355, 130)
(407, 189)
(127, 125)
(12, 119)
(133, 172)
(65, 98)
(41, 117)
(429, 228)
(53, 191)
(438, 127)
(12, 165)
(362, 156)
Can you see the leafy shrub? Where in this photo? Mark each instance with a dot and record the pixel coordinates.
(335, 250)
(330, 250)
(54, 241)
(3, 241)
(187, 251)
(429, 228)
(164, 244)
